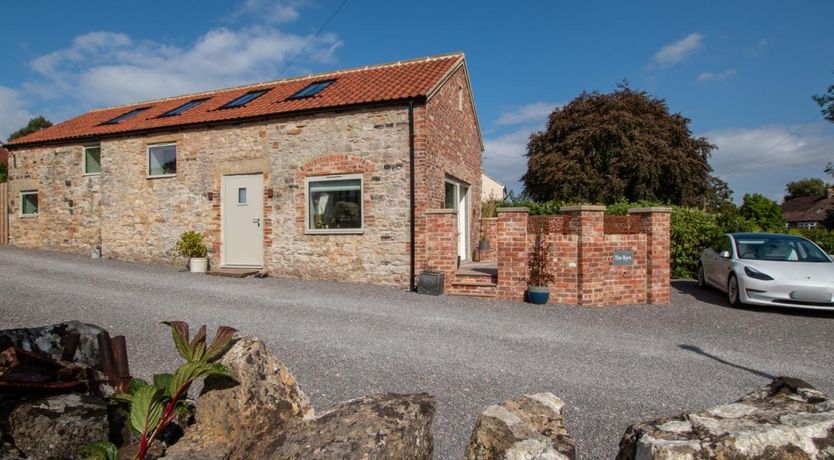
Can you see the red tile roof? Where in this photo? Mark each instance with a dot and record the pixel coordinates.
(807, 208)
(387, 82)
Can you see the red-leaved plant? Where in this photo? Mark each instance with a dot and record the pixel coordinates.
(154, 405)
(539, 272)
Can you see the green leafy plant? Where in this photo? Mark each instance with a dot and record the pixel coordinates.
(191, 245)
(154, 405)
(539, 271)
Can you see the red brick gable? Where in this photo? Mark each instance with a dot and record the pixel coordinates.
(388, 82)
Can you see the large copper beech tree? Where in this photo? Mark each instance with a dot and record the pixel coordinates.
(601, 148)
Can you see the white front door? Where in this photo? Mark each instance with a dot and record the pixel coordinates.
(457, 197)
(243, 215)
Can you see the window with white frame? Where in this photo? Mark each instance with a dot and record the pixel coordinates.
(29, 203)
(162, 160)
(92, 160)
(334, 204)
(807, 225)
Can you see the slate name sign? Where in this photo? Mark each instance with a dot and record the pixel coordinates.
(623, 258)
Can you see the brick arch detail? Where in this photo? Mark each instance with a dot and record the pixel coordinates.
(330, 165)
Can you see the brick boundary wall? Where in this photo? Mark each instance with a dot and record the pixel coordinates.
(582, 253)
(489, 226)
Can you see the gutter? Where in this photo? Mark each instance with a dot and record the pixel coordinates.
(412, 285)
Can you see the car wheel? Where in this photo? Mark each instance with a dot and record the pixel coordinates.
(702, 282)
(732, 291)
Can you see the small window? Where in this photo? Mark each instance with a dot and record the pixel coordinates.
(162, 160)
(29, 203)
(334, 204)
(241, 195)
(312, 89)
(460, 98)
(451, 200)
(125, 116)
(245, 99)
(92, 160)
(183, 108)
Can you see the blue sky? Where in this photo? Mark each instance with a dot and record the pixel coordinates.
(743, 71)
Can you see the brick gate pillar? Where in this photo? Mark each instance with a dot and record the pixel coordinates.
(656, 223)
(588, 223)
(441, 244)
(512, 253)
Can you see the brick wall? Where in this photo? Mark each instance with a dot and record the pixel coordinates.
(581, 256)
(489, 228)
(441, 243)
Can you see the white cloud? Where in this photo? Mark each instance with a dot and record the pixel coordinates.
(504, 157)
(13, 115)
(764, 159)
(106, 68)
(676, 52)
(535, 112)
(272, 11)
(717, 76)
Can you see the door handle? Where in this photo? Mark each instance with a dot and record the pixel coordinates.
(257, 221)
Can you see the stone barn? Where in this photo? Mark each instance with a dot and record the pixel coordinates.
(325, 176)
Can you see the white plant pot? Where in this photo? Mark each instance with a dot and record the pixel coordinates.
(198, 264)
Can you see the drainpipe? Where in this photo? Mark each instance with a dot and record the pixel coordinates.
(412, 286)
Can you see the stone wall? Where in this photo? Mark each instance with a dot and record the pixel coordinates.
(68, 201)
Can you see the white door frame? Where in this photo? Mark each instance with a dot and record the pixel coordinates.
(463, 223)
(223, 221)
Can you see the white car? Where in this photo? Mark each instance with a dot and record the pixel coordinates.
(769, 269)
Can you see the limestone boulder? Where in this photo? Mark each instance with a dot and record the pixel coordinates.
(57, 427)
(233, 414)
(529, 427)
(50, 340)
(788, 419)
(383, 426)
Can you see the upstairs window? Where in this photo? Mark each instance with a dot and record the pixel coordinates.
(92, 160)
(162, 160)
(29, 203)
(183, 108)
(312, 89)
(245, 99)
(125, 116)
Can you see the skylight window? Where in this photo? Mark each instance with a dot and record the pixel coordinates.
(183, 108)
(245, 99)
(125, 116)
(312, 89)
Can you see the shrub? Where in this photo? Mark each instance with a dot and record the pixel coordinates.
(692, 231)
(191, 245)
(540, 274)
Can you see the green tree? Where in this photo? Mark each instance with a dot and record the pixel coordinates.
(826, 103)
(35, 124)
(762, 211)
(806, 187)
(603, 148)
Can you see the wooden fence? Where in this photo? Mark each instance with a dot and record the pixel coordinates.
(4, 214)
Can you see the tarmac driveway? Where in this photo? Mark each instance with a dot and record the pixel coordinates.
(611, 366)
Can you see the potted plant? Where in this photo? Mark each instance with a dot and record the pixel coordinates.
(538, 290)
(191, 246)
(488, 211)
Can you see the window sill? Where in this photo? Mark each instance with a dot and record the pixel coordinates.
(28, 216)
(161, 176)
(358, 231)
(90, 174)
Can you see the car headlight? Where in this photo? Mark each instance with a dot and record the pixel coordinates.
(755, 274)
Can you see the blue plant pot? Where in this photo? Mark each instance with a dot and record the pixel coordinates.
(538, 294)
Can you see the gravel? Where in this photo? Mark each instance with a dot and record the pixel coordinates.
(611, 366)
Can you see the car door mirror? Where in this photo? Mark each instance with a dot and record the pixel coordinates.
(725, 254)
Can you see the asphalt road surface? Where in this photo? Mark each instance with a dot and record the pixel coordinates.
(611, 366)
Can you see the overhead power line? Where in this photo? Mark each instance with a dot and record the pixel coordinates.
(313, 37)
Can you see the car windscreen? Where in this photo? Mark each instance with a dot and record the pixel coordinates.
(763, 247)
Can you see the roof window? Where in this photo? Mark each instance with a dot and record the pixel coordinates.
(245, 99)
(312, 89)
(184, 107)
(125, 116)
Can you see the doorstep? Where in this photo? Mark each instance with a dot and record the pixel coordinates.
(233, 272)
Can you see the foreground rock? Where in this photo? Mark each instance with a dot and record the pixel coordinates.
(231, 416)
(385, 426)
(788, 419)
(56, 427)
(50, 340)
(528, 427)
